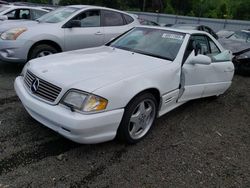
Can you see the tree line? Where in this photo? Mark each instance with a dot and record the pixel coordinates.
(224, 9)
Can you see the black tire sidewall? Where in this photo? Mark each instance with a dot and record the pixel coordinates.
(42, 47)
(123, 132)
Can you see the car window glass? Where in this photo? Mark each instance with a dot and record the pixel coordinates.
(111, 18)
(240, 36)
(128, 18)
(201, 42)
(213, 47)
(58, 15)
(37, 14)
(152, 42)
(24, 14)
(89, 18)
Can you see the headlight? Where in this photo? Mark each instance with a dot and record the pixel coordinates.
(26, 66)
(84, 102)
(12, 34)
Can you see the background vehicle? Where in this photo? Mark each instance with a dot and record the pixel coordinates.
(196, 27)
(147, 22)
(96, 94)
(3, 2)
(239, 43)
(16, 12)
(64, 29)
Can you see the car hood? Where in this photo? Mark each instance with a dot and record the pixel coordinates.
(9, 24)
(93, 68)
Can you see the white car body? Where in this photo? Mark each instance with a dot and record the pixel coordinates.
(118, 75)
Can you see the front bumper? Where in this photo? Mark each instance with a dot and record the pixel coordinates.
(14, 50)
(86, 129)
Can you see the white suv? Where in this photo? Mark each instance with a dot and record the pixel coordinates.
(66, 28)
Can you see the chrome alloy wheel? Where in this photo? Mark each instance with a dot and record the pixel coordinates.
(44, 53)
(142, 119)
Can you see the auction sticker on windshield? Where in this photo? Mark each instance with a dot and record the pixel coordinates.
(172, 36)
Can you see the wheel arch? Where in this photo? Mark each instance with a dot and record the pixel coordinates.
(154, 91)
(48, 42)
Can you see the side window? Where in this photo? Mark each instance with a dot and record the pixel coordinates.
(24, 14)
(89, 18)
(202, 43)
(110, 18)
(214, 49)
(128, 18)
(37, 14)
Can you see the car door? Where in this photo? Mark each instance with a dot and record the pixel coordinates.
(88, 34)
(114, 24)
(200, 80)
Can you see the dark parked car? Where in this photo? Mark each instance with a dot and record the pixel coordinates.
(239, 43)
(147, 22)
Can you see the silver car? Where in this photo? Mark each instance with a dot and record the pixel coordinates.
(16, 12)
(66, 28)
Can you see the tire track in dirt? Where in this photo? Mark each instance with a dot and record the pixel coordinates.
(116, 157)
(8, 100)
(35, 154)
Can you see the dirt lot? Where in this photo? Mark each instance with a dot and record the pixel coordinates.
(205, 143)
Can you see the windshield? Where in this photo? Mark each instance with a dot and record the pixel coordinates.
(241, 36)
(152, 42)
(58, 15)
(3, 9)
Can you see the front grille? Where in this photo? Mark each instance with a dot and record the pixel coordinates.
(44, 89)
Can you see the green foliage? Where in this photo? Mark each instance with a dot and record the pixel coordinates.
(224, 9)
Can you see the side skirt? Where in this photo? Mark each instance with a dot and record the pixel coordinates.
(169, 102)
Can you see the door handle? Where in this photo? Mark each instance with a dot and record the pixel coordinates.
(99, 33)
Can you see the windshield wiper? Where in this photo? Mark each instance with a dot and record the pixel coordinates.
(142, 52)
(152, 55)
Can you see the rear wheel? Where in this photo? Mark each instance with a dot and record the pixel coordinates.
(42, 50)
(138, 118)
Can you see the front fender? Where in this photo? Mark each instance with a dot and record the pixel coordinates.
(122, 92)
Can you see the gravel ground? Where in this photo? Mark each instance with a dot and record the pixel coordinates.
(204, 143)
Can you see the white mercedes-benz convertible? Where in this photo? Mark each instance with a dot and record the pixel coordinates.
(117, 90)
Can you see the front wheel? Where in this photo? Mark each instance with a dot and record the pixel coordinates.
(138, 118)
(42, 50)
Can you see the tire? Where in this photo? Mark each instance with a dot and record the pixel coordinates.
(42, 50)
(243, 69)
(138, 118)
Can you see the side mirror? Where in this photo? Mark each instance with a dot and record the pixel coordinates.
(3, 17)
(72, 23)
(200, 59)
